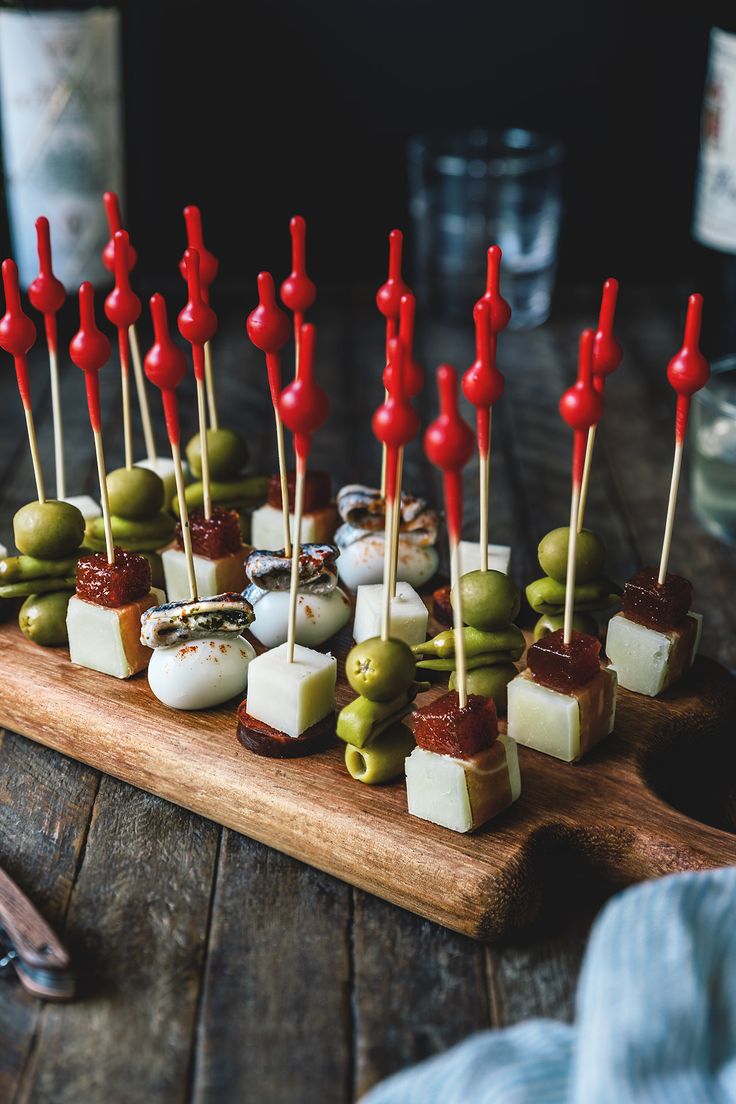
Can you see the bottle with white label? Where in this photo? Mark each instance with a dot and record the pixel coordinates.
(62, 141)
(714, 213)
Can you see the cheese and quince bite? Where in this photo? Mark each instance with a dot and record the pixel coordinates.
(647, 660)
(443, 727)
(463, 793)
(292, 698)
(107, 638)
(659, 606)
(409, 614)
(200, 673)
(499, 556)
(219, 555)
(319, 520)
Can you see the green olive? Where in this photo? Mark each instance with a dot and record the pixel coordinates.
(42, 617)
(135, 493)
(491, 600)
(489, 682)
(382, 759)
(380, 669)
(590, 555)
(551, 622)
(48, 529)
(228, 454)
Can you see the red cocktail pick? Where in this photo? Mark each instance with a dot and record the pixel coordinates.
(303, 405)
(298, 292)
(122, 305)
(165, 365)
(607, 352)
(390, 294)
(688, 370)
(47, 294)
(17, 332)
(208, 263)
(483, 384)
(90, 350)
(500, 311)
(581, 406)
(115, 223)
(395, 423)
(412, 372)
(449, 443)
(197, 320)
(269, 329)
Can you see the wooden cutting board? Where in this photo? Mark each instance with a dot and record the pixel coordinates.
(609, 820)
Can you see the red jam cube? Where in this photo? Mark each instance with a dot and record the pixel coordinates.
(114, 585)
(561, 666)
(662, 607)
(213, 537)
(445, 728)
(317, 491)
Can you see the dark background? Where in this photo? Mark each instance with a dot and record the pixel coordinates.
(259, 111)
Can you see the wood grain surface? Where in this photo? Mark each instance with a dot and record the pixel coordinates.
(385, 987)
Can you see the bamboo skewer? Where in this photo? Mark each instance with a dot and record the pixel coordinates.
(17, 336)
(388, 301)
(295, 553)
(47, 295)
(140, 387)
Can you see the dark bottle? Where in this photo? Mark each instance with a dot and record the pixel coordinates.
(714, 213)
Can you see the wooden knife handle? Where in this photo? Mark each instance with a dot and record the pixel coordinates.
(34, 941)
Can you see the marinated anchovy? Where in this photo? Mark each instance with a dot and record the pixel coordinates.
(195, 619)
(317, 569)
(364, 512)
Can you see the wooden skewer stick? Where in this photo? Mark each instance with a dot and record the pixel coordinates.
(115, 223)
(269, 330)
(17, 336)
(165, 366)
(90, 351)
(125, 387)
(389, 528)
(303, 407)
(298, 292)
(412, 382)
(607, 356)
(47, 295)
(388, 301)
(581, 407)
(396, 523)
(197, 325)
(687, 372)
(449, 444)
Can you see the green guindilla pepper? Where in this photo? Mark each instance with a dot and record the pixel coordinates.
(362, 720)
(546, 595)
(16, 569)
(477, 642)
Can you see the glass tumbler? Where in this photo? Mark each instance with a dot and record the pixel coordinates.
(713, 483)
(475, 189)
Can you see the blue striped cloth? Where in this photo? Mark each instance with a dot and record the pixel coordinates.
(655, 1015)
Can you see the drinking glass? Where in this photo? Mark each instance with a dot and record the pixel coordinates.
(713, 484)
(475, 189)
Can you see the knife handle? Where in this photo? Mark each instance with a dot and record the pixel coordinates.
(33, 940)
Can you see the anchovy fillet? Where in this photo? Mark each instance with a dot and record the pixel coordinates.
(272, 570)
(195, 619)
(363, 510)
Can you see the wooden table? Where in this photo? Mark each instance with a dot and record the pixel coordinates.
(211, 968)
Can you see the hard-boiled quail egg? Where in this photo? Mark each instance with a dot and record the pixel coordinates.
(199, 674)
(361, 563)
(318, 617)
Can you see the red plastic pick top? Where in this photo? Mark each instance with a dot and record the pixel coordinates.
(581, 406)
(47, 294)
(449, 443)
(303, 405)
(17, 332)
(115, 223)
(500, 311)
(298, 292)
(389, 295)
(269, 329)
(483, 384)
(122, 305)
(607, 353)
(197, 320)
(165, 365)
(90, 351)
(395, 423)
(412, 372)
(208, 262)
(688, 370)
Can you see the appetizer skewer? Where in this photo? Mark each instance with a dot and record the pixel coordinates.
(47, 295)
(653, 641)
(607, 356)
(298, 292)
(388, 301)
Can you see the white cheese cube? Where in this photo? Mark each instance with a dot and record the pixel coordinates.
(267, 527)
(164, 468)
(646, 660)
(408, 614)
(3, 551)
(108, 639)
(462, 794)
(291, 697)
(88, 508)
(563, 725)
(213, 576)
(361, 563)
(499, 557)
